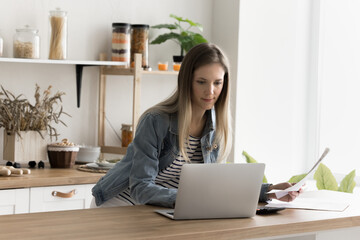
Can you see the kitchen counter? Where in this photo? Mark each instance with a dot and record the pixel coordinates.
(141, 222)
(49, 177)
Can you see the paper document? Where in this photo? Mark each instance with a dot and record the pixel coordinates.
(297, 186)
(318, 200)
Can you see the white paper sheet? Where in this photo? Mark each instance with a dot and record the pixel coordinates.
(318, 200)
(297, 186)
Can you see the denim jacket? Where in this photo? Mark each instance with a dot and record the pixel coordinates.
(154, 147)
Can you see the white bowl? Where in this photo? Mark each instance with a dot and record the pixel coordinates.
(88, 154)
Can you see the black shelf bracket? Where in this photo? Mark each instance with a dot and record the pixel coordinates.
(79, 71)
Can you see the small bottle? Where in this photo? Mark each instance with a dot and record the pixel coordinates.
(126, 135)
(121, 43)
(26, 43)
(58, 34)
(140, 43)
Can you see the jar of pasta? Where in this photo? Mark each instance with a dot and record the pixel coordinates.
(26, 43)
(121, 43)
(126, 135)
(58, 34)
(140, 43)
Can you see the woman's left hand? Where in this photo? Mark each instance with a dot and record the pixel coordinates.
(281, 186)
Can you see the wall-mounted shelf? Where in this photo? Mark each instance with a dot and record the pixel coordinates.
(79, 65)
(137, 73)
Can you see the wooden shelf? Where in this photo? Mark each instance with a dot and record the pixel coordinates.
(131, 71)
(137, 72)
(79, 65)
(64, 62)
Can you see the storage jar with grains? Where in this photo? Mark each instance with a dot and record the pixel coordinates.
(140, 43)
(126, 135)
(26, 43)
(121, 43)
(58, 34)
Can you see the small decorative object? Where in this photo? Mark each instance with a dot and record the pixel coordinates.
(63, 154)
(16, 165)
(163, 66)
(41, 164)
(32, 164)
(27, 126)
(184, 37)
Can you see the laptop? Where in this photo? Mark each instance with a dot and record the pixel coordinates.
(207, 191)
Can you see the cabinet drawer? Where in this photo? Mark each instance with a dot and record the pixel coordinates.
(14, 201)
(59, 198)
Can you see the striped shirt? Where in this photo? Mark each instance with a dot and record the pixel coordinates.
(170, 176)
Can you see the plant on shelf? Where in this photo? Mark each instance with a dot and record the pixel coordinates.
(18, 114)
(185, 38)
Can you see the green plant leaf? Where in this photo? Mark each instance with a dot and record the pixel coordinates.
(168, 26)
(164, 37)
(297, 178)
(250, 159)
(348, 183)
(325, 179)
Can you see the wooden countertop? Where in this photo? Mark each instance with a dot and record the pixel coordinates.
(141, 222)
(49, 177)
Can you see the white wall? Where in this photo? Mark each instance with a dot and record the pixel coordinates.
(273, 75)
(340, 74)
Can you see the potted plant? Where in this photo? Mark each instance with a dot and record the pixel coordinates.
(26, 126)
(180, 34)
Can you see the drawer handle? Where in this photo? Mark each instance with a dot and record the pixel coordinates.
(64, 195)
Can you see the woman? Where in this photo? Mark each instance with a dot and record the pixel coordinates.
(193, 125)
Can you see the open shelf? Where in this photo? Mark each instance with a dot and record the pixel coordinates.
(65, 62)
(131, 71)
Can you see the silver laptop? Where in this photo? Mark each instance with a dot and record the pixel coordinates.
(217, 191)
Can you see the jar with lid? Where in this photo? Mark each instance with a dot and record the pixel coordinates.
(121, 43)
(140, 43)
(126, 135)
(58, 34)
(26, 43)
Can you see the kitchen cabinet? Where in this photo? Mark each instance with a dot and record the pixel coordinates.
(60, 198)
(137, 72)
(13, 201)
(45, 190)
(45, 199)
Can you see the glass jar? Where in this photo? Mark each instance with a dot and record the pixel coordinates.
(121, 43)
(26, 43)
(140, 43)
(126, 135)
(58, 34)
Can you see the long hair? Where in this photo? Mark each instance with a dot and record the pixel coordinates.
(180, 101)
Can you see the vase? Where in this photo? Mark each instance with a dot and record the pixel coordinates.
(29, 146)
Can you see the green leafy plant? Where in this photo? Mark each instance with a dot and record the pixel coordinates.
(325, 180)
(250, 159)
(183, 36)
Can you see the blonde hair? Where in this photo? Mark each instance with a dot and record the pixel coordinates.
(180, 101)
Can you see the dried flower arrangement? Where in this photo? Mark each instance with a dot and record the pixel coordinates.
(18, 114)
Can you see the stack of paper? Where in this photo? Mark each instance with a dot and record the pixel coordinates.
(318, 200)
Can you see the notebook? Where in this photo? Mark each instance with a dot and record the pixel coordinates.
(217, 191)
